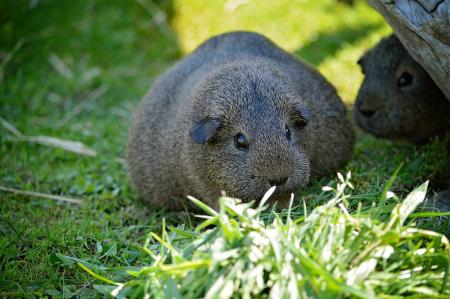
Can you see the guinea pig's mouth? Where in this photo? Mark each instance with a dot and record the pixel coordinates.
(368, 124)
(281, 187)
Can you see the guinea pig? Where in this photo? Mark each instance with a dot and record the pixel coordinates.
(397, 98)
(238, 115)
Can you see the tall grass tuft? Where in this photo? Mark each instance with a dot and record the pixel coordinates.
(327, 253)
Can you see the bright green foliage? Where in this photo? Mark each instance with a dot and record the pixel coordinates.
(327, 253)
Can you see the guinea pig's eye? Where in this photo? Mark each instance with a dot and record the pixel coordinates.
(240, 142)
(405, 80)
(288, 133)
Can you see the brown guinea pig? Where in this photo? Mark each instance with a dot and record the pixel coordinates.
(240, 115)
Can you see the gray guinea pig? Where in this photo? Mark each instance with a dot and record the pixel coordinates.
(240, 115)
(398, 99)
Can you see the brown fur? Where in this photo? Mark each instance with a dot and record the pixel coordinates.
(385, 109)
(234, 83)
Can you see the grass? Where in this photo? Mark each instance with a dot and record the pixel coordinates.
(75, 71)
(248, 252)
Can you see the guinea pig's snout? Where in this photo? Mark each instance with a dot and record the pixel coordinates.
(365, 111)
(278, 181)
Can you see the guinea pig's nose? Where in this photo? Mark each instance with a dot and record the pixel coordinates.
(366, 112)
(278, 182)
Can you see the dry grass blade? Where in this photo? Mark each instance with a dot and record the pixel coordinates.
(91, 74)
(231, 5)
(68, 145)
(121, 160)
(60, 66)
(159, 17)
(19, 44)
(7, 125)
(42, 195)
(95, 94)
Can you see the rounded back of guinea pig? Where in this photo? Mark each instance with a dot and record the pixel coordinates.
(248, 132)
(398, 99)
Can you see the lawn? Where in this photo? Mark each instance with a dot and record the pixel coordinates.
(75, 70)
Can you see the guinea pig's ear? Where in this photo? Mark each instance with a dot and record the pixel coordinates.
(204, 130)
(301, 115)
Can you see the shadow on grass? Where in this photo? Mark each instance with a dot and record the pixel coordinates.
(327, 44)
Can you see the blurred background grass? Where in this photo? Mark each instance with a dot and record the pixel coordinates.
(76, 70)
(328, 34)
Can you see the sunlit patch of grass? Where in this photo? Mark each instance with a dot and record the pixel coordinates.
(343, 71)
(327, 34)
(291, 24)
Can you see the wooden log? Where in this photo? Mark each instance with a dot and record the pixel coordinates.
(423, 27)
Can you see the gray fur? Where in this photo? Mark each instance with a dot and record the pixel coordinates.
(412, 113)
(247, 84)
